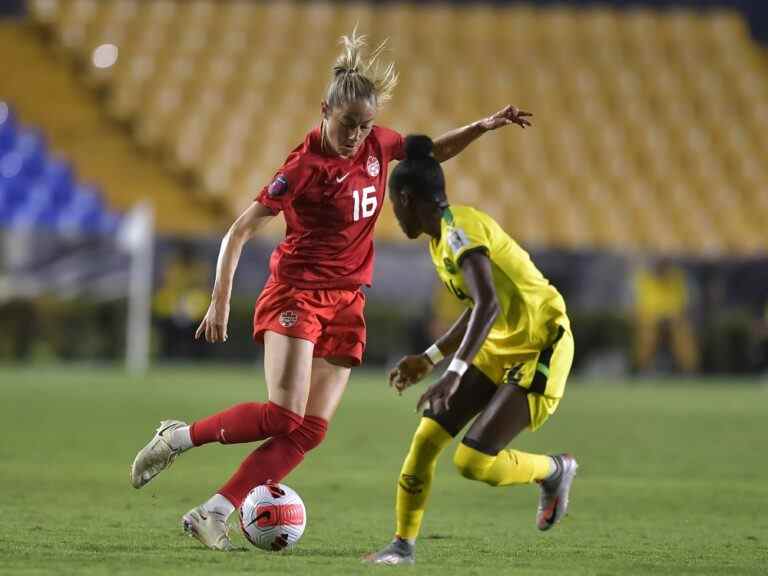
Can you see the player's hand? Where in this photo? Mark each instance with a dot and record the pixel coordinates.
(214, 323)
(410, 370)
(439, 395)
(507, 115)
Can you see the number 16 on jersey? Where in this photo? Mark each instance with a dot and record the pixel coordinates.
(368, 201)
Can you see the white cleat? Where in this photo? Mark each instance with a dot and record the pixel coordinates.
(555, 494)
(210, 528)
(156, 456)
(398, 552)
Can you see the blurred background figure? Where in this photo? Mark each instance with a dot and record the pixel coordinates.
(662, 317)
(759, 352)
(181, 299)
(20, 330)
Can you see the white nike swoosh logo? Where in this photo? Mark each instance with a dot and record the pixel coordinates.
(340, 180)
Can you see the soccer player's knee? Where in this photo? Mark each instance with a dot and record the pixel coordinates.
(473, 464)
(311, 433)
(285, 427)
(429, 439)
(464, 461)
(281, 420)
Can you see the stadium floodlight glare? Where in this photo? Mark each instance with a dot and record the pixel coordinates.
(104, 56)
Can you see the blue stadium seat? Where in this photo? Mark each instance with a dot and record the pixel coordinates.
(87, 197)
(83, 214)
(40, 191)
(30, 216)
(7, 128)
(13, 192)
(31, 146)
(108, 223)
(11, 164)
(58, 177)
(5, 208)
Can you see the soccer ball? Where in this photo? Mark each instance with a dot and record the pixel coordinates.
(273, 517)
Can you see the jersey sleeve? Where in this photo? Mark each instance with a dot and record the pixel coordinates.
(392, 143)
(466, 235)
(287, 183)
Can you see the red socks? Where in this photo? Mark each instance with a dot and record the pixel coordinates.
(245, 422)
(274, 459)
(291, 437)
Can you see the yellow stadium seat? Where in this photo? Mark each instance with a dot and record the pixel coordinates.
(45, 12)
(650, 125)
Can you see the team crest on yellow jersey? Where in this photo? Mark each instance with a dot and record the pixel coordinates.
(457, 239)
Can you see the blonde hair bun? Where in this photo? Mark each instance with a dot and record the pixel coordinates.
(358, 78)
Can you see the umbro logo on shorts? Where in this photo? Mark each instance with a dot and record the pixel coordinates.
(288, 318)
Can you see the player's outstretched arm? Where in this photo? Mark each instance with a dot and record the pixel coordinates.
(413, 368)
(214, 324)
(476, 269)
(452, 143)
(449, 342)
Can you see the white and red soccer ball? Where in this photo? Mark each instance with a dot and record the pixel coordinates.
(273, 517)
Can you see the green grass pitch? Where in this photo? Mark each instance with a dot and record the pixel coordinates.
(673, 480)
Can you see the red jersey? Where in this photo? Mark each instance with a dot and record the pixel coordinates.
(330, 205)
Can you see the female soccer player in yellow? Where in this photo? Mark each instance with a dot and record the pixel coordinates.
(512, 350)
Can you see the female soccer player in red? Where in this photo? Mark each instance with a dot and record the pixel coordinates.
(310, 312)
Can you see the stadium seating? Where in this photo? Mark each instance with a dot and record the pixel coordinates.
(77, 126)
(39, 190)
(651, 129)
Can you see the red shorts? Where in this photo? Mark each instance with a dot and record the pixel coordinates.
(332, 319)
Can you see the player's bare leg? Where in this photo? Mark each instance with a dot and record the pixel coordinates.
(330, 377)
(288, 364)
(288, 367)
(506, 416)
(326, 385)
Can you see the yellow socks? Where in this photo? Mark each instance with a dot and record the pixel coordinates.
(415, 482)
(416, 475)
(507, 467)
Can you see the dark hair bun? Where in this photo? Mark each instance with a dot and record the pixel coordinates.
(418, 147)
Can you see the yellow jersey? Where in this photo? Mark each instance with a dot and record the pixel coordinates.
(661, 296)
(532, 310)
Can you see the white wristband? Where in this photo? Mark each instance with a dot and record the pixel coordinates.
(458, 366)
(434, 354)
